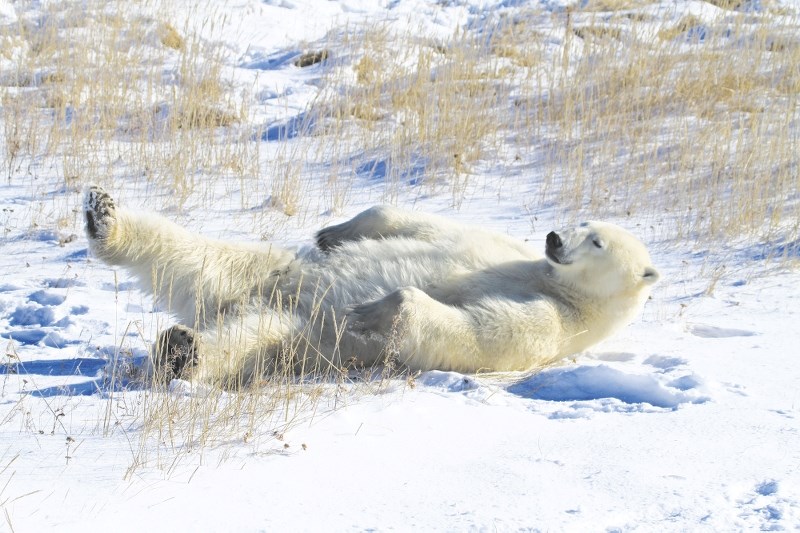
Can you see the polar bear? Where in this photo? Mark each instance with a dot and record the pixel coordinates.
(416, 289)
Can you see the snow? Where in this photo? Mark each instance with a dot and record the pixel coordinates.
(689, 419)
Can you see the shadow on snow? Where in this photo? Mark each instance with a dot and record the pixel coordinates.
(102, 377)
(585, 383)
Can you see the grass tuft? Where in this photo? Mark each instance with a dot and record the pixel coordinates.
(170, 37)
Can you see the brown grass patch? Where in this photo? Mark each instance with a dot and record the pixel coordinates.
(170, 37)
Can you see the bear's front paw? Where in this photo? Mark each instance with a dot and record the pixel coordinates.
(100, 213)
(330, 237)
(380, 317)
(175, 352)
(365, 318)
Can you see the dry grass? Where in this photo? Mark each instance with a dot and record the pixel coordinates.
(418, 111)
(170, 37)
(602, 6)
(684, 25)
(694, 132)
(726, 4)
(693, 128)
(95, 97)
(95, 88)
(167, 424)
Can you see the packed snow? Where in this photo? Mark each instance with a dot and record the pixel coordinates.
(688, 419)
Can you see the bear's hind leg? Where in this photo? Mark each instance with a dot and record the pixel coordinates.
(195, 277)
(243, 348)
(233, 354)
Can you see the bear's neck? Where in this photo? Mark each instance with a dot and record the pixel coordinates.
(597, 319)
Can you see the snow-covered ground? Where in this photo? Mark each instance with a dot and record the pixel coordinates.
(689, 419)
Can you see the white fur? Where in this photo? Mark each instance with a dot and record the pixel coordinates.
(432, 293)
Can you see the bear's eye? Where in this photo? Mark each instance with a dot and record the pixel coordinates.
(597, 242)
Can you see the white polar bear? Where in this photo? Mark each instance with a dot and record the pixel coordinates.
(418, 289)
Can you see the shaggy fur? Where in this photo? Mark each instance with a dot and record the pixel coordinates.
(421, 289)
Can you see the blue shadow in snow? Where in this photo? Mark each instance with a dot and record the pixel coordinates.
(63, 283)
(378, 170)
(775, 250)
(98, 382)
(85, 388)
(37, 337)
(585, 383)
(415, 175)
(294, 127)
(697, 34)
(273, 62)
(77, 255)
(373, 170)
(43, 297)
(79, 366)
(26, 336)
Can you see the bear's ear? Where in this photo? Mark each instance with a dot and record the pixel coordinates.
(650, 275)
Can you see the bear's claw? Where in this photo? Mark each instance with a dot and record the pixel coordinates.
(99, 208)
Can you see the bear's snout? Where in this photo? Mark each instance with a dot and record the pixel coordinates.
(553, 241)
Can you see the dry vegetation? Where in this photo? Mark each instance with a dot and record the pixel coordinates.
(88, 92)
(681, 122)
(616, 111)
(687, 122)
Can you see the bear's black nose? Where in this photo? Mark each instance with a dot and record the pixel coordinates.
(553, 240)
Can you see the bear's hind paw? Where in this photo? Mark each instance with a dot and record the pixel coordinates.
(99, 208)
(175, 352)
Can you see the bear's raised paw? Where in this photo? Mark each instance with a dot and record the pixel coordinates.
(99, 208)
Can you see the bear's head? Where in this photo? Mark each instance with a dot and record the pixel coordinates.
(601, 260)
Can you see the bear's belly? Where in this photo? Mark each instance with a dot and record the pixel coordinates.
(368, 270)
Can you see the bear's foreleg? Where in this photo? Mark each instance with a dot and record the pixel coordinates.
(493, 335)
(383, 222)
(425, 333)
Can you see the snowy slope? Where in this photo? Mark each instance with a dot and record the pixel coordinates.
(689, 419)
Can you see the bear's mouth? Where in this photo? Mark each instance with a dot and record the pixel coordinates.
(555, 258)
